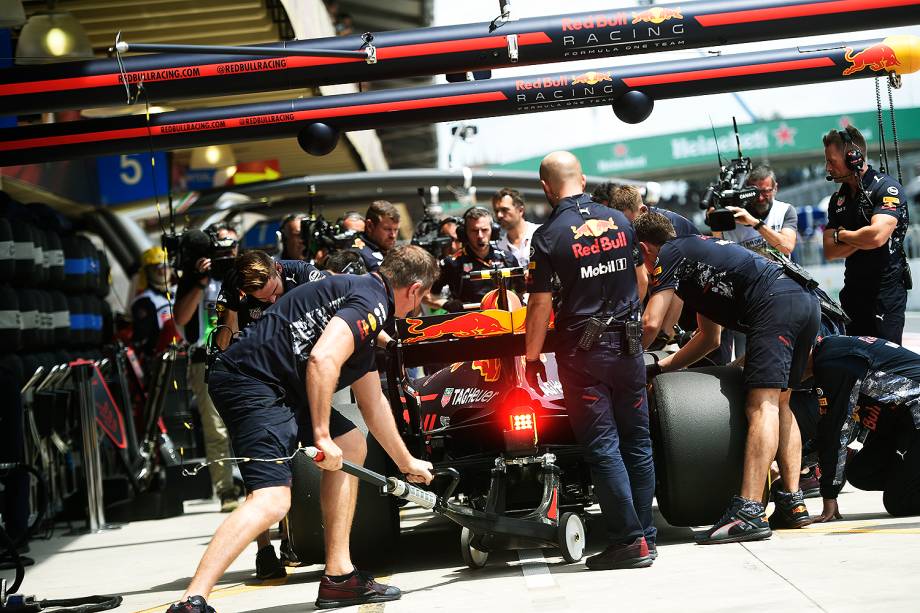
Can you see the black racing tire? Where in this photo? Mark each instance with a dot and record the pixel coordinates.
(375, 527)
(699, 430)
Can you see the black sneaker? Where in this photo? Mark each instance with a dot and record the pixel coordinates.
(359, 588)
(629, 555)
(287, 555)
(790, 511)
(743, 521)
(810, 482)
(268, 566)
(192, 604)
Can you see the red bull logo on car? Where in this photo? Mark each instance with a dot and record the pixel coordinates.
(591, 78)
(877, 57)
(489, 369)
(657, 15)
(466, 325)
(594, 228)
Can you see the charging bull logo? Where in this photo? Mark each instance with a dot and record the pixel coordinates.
(461, 326)
(591, 78)
(594, 228)
(657, 15)
(877, 57)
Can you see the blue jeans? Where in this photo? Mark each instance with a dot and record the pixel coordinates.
(608, 409)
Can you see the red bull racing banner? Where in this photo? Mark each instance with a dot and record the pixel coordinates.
(450, 49)
(465, 100)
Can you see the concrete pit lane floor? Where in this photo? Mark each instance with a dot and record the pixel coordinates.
(866, 562)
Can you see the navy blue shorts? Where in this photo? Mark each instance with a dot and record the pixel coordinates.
(261, 425)
(782, 334)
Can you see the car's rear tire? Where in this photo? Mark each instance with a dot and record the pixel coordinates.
(376, 523)
(699, 429)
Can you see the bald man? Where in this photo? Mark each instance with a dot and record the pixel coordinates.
(593, 251)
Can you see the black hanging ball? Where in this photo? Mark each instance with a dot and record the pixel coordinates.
(318, 139)
(633, 107)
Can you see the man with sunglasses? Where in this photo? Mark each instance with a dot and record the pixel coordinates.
(767, 221)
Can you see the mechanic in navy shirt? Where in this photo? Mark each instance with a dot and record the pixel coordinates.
(871, 384)
(476, 231)
(254, 283)
(866, 223)
(274, 388)
(381, 227)
(592, 251)
(628, 200)
(731, 286)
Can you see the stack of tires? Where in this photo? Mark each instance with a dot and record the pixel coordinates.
(53, 282)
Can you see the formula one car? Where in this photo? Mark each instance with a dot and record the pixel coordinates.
(507, 450)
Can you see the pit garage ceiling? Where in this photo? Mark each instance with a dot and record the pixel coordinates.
(251, 22)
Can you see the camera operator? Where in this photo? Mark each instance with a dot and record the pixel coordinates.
(731, 286)
(476, 231)
(874, 385)
(352, 221)
(866, 223)
(381, 227)
(508, 205)
(292, 247)
(274, 387)
(593, 252)
(196, 311)
(766, 220)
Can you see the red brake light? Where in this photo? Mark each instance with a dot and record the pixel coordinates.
(523, 421)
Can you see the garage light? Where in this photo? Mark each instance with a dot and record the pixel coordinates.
(52, 37)
(12, 15)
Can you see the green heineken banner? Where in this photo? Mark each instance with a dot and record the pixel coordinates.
(767, 139)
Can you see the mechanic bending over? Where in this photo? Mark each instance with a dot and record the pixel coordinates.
(274, 388)
(730, 286)
(476, 231)
(866, 223)
(870, 384)
(592, 250)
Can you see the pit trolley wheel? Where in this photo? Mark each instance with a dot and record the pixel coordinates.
(571, 537)
(472, 557)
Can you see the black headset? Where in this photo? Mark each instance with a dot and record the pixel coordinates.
(853, 156)
(461, 225)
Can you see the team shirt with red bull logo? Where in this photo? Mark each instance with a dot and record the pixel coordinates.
(594, 254)
(454, 268)
(274, 349)
(860, 379)
(868, 272)
(718, 278)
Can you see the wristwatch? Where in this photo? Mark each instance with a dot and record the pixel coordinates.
(758, 225)
(836, 236)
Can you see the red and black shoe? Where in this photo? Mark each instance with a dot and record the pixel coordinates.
(192, 604)
(628, 555)
(790, 511)
(359, 588)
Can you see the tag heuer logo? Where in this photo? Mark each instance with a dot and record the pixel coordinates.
(445, 399)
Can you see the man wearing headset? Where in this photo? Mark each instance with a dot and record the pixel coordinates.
(476, 231)
(866, 223)
(291, 242)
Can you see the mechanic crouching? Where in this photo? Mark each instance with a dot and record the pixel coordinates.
(730, 286)
(593, 251)
(873, 385)
(274, 388)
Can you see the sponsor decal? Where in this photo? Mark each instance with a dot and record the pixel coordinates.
(470, 395)
(598, 245)
(591, 78)
(594, 21)
(657, 271)
(604, 268)
(461, 326)
(315, 275)
(867, 339)
(445, 398)
(870, 420)
(363, 329)
(594, 227)
(893, 190)
(372, 321)
(657, 15)
(891, 199)
(445, 421)
(877, 57)
(468, 267)
(551, 388)
(489, 369)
